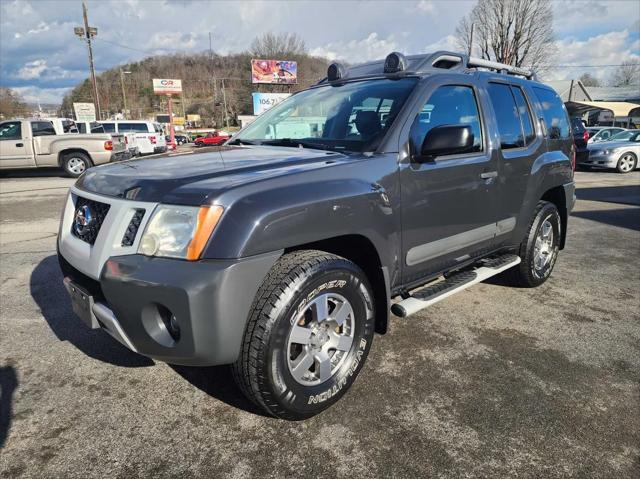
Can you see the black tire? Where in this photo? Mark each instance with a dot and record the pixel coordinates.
(289, 291)
(627, 163)
(526, 274)
(75, 163)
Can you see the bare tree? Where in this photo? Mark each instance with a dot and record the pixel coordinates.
(627, 74)
(515, 32)
(274, 45)
(588, 79)
(11, 103)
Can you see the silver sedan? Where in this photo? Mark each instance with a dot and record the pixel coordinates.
(620, 152)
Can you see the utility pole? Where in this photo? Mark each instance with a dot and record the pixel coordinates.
(224, 99)
(471, 40)
(124, 95)
(87, 33)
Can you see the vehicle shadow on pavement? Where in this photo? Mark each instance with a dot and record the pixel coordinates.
(51, 297)
(621, 217)
(34, 173)
(627, 194)
(8, 385)
(218, 382)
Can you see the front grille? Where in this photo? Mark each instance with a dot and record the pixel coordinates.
(88, 218)
(132, 230)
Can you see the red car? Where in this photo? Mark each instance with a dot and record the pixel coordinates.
(214, 138)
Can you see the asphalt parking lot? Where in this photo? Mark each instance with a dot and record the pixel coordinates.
(496, 382)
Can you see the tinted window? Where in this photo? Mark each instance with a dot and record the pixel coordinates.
(109, 127)
(42, 128)
(96, 127)
(11, 130)
(136, 127)
(525, 115)
(69, 126)
(507, 116)
(448, 105)
(555, 115)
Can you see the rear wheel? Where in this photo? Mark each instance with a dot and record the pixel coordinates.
(75, 163)
(539, 248)
(627, 163)
(308, 335)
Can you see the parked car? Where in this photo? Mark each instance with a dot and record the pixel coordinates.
(580, 138)
(180, 139)
(209, 139)
(602, 133)
(620, 152)
(35, 143)
(281, 255)
(149, 136)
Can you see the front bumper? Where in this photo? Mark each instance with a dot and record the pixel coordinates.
(211, 302)
(597, 158)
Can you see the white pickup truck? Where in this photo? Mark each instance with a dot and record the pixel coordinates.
(35, 143)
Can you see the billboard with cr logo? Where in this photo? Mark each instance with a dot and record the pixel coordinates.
(166, 86)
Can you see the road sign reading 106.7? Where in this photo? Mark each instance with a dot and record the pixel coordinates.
(166, 86)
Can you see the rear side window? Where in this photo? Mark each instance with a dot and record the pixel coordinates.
(69, 126)
(42, 128)
(507, 116)
(135, 127)
(555, 115)
(109, 127)
(11, 130)
(96, 127)
(525, 115)
(448, 105)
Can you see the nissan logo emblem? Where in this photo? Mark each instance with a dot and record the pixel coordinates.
(84, 220)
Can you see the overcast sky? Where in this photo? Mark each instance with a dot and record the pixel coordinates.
(41, 58)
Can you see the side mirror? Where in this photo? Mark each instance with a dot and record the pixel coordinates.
(446, 140)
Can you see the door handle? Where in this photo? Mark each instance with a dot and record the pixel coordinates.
(19, 144)
(488, 175)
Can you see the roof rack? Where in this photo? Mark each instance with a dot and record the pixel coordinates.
(454, 61)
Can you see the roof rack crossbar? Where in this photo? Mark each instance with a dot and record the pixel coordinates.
(500, 67)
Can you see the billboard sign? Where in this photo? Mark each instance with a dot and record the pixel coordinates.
(263, 101)
(166, 86)
(281, 72)
(84, 111)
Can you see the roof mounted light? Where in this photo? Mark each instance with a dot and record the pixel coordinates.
(395, 62)
(335, 72)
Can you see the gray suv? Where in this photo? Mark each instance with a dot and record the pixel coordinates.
(385, 188)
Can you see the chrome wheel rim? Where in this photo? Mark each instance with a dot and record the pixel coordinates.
(626, 163)
(76, 165)
(543, 249)
(320, 339)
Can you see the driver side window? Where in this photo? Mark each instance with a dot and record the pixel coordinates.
(448, 105)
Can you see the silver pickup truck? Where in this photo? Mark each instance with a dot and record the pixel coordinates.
(35, 143)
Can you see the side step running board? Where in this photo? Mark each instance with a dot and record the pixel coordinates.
(455, 283)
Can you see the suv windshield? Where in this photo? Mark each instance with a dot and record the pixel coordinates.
(352, 116)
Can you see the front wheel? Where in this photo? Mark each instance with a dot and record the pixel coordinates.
(539, 248)
(308, 335)
(627, 163)
(75, 163)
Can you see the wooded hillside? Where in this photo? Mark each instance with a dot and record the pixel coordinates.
(203, 76)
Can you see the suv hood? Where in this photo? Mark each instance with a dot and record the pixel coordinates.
(192, 179)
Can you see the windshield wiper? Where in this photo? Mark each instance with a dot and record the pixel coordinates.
(240, 141)
(297, 143)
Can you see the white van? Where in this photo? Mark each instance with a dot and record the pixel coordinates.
(149, 135)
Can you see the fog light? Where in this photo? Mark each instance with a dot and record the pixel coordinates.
(170, 322)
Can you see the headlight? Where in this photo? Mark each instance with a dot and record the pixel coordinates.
(179, 231)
